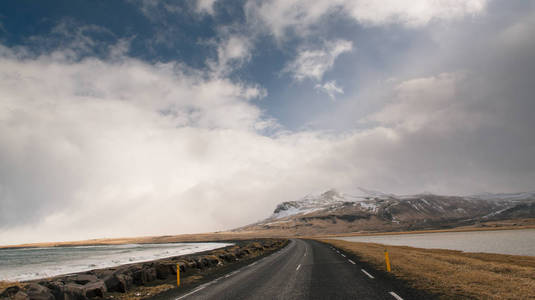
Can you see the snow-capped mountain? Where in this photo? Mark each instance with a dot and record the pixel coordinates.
(331, 199)
(362, 209)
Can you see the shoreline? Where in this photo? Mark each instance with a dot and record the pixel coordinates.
(142, 279)
(109, 260)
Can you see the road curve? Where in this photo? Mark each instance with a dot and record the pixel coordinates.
(302, 270)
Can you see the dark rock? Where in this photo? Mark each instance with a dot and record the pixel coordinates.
(95, 289)
(192, 264)
(20, 295)
(145, 275)
(104, 273)
(10, 291)
(74, 291)
(213, 260)
(126, 280)
(55, 287)
(38, 292)
(118, 282)
(113, 284)
(228, 257)
(204, 262)
(83, 278)
(164, 270)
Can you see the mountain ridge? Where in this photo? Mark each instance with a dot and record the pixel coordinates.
(366, 210)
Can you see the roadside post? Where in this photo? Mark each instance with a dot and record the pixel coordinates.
(177, 275)
(387, 261)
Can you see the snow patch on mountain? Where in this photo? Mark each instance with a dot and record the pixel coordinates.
(331, 199)
(369, 206)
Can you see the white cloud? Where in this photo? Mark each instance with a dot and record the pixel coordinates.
(205, 6)
(312, 63)
(411, 13)
(330, 88)
(232, 51)
(299, 16)
(436, 103)
(90, 148)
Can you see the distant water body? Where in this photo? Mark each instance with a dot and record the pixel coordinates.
(515, 242)
(34, 263)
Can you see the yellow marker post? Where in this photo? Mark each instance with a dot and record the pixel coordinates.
(387, 260)
(177, 275)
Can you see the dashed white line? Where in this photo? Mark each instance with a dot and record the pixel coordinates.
(351, 261)
(299, 266)
(396, 296)
(343, 255)
(369, 275)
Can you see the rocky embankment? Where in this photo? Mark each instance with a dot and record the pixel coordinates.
(118, 282)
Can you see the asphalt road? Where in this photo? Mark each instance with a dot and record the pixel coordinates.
(302, 270)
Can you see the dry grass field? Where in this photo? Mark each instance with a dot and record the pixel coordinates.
(244, 235)
(202, 237)
(453, 274)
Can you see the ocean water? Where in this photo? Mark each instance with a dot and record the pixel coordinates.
(515, 242)
(35, 263)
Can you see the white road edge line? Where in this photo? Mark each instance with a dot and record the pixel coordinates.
(191, 293)
(343, 255)
(369, 275)
(299, 266)
(396, 296)
(352, 261)
(278, 253)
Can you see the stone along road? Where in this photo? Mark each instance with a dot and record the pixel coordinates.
(304, 269)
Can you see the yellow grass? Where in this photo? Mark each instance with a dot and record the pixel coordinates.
(202, 237)
(6, 284)
(453, 274)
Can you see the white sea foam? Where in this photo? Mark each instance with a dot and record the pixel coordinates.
(35, 263)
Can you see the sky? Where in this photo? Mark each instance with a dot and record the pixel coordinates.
(151, 117)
